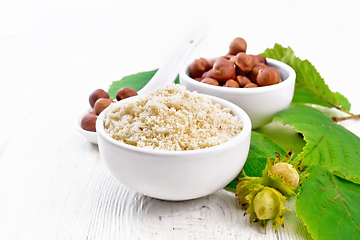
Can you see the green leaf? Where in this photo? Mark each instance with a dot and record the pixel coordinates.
(260, 148)
(310, 87)
(329, 205)
(284, 136)
(327, 143)
(136, 81)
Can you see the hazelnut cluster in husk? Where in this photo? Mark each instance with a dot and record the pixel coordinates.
(236, 69)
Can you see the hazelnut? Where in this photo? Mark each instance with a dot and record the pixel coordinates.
(88, 122)
(237, 45)
(208, 74)
(95, 95)
(125, 92)
(92, 110)
(268, 76)
(255, 71)
(198, 79)
(211, 62)
(242, 80)
(251, 85)
(231, 83)
(229, 56)
(258, 59)
(261, 58)
(244, 63)
(210, 81)
(101, 104)
(224, 69)
(198, 67)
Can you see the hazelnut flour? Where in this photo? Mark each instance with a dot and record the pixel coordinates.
(171, 118)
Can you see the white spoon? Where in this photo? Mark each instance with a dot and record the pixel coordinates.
(165, 75)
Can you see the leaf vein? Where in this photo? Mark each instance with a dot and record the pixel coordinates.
(346, 209)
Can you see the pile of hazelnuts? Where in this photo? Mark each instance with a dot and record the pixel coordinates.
(236, 69)
(99, 100)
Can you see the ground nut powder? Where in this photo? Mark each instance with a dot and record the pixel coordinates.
(171, 118)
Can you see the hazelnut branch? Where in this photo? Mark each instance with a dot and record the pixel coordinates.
(339, 119)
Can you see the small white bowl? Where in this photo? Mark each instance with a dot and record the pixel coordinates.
(176, 175)
(259, 103)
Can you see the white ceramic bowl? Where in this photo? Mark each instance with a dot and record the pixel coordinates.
(176, 175)
(259, 103)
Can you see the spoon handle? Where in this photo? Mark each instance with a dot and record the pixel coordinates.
(167, 73)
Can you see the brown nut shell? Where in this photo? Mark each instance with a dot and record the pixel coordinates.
(237, 45)
(224, 70)
(125, 92)
(255, 71)
(198, 67)
(210, 81)
(242, 80)
(88, 122)
(231, 83)
(96, 94)
(244, 63)
(268, 76)
(101, 104)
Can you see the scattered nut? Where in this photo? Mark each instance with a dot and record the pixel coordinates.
(95, 95)
(224, 69)
(268, 76)
(88, 122)
(125, 92)
(101, 104)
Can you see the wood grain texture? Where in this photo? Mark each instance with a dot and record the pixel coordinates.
(54, 184)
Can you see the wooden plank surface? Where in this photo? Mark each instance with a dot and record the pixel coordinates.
(54, 184)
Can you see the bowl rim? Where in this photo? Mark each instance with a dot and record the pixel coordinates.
(240, 137)
(183, 75)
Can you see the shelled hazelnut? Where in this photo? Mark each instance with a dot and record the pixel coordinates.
(242, 80)
(88, 122)
(99, 100)
(241, 68)
(268, 76)
(210, 81)
(237, 45)
(224, 69)
(125, 92)
(96, 94)
(231, 83)
(198, 67)
(101, 104)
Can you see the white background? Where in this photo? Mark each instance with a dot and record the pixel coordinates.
(53, 54)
